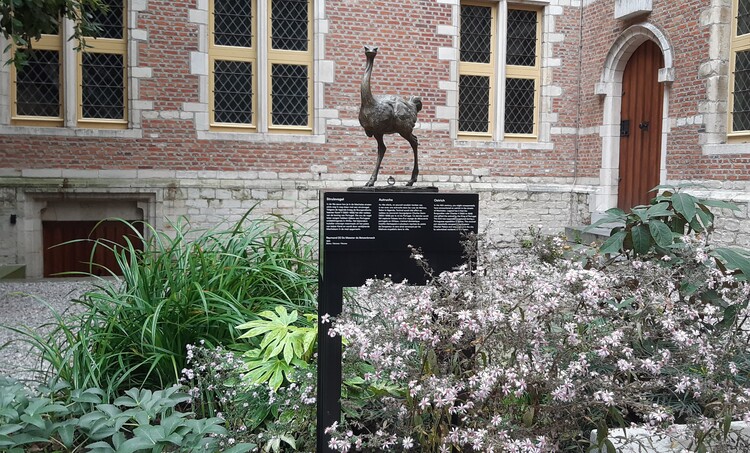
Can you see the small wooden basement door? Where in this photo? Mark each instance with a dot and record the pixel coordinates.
(640, 129)
(76, 256)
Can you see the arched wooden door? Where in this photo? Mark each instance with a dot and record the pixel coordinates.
(640, 130)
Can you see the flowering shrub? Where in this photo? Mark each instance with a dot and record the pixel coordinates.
(528, 351)
(262, 414)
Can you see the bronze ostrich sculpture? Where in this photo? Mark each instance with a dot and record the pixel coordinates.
(387, 114)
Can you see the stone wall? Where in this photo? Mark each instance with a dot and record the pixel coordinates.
(209, 198)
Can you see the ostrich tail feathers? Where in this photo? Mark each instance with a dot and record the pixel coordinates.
(417, 101)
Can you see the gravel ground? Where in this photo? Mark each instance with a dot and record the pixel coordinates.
(20, 305)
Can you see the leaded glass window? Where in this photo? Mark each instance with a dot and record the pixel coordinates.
(103, 86)
(233, 23)
(522, 36)
(476, 33)
(38, 85)
(741, 107)
(519, 106)
(98, 95)
(289, 96)
(743, 17)
(289, 24)
(739, 82)
(110, 20)
(474, 103)
(481, 90)
(233, 92)
(281, 66)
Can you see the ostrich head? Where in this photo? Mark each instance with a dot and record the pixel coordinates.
(371, 51)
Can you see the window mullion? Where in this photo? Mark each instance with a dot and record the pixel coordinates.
(71, 83)
(263, 38)
(498, 97)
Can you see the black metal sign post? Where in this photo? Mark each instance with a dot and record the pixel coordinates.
(367, 234)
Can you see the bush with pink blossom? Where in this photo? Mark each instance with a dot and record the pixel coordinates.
(528, 351)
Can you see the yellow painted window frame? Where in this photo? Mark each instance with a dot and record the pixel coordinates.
(291, 57)
(482, 70)
(231, 53)
(46, 42)
(737, 44)
(110, 46)
(529, 73)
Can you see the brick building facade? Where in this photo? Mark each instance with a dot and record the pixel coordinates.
(535, 127)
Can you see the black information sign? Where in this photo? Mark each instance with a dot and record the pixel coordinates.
(369, 234)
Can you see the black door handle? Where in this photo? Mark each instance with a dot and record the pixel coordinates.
(643, 126)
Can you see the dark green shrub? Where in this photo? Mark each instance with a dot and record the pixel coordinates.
(131, 331)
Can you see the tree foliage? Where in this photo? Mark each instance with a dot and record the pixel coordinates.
(24, 21)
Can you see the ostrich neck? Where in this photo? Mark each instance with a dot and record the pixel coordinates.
(367, 98)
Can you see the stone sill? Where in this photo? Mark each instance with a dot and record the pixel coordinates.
(626, 9)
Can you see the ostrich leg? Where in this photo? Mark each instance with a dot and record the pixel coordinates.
(414, 142)
(381, 153)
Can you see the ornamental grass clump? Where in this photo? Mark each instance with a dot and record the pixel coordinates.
(520, 352)
(186, 286)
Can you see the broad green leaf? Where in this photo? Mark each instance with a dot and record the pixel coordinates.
(660, 232)
(9, 429)
(241, 448)
(36, 405)
(35, 420)
(109, 409)
(85, 396)
(706, 218)
(614, 244)
(658, 210)
(641, 239)
(720, 204)
(734, 259)
(642, 213)
(135, 444)
(684, 204)
(100, 447)
(67, 434)
(610, 446)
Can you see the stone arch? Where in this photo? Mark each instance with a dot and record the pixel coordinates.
(610, 88)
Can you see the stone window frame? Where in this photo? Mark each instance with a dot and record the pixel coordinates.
(737, 44)
(545, 118)
(499, 72)
(71, 124)
(321, 73)
(714, 110)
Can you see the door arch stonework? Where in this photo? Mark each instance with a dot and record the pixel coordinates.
(610, 87)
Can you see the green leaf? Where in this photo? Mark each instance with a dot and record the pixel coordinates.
(734, 259)
(86, 396)
(601, 432)
(658, 210)
(641, 239)
(610, 446)
(642, 214)
(528, 418)
(241, 448)
(727, 425)
(135, 444)
(35, 420)
(684, 204)
(614, 244)
(9, 429)
(67, 433)
(706, 218)
(100, 447)
(720, 204)
(660, 232)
